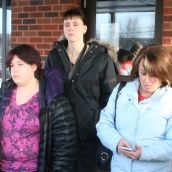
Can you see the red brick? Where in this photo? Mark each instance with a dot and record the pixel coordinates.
(17, 9)
(167, 26)
(44, 8)
(167, 3)
(50, 40)
(14, 39)
(14, 27)
(36, 39)
(66, 7)
(30, 9)
(57, 20)
(167, 11)
(43, 46)
(14, 3)
(36, 15)
(44, 21)
(23, 39)
(57, 7)
(29, 21)
(51, 1)
(40, 51)
(23, 3)
(36, 2)
(14, 15)
(16, 33)
(16, 21)
(50, 27)
(65, 1)
(167, 18)
(167, 41)
(30, 33)
(44, 33)
(167, 33)
(22, 27)
(23, 15)
(57, 33)
(60, 27)
(36, 27)
(51, 14)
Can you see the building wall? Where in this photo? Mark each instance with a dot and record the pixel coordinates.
(39, 22)
(167, 24)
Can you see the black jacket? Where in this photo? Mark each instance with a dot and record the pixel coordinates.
(57, 149)
(92, 81)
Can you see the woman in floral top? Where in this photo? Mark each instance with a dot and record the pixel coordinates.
(32, 115)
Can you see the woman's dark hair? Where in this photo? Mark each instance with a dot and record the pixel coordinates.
(157, 62)
(75, 12)
(28, 54)
(136, 47)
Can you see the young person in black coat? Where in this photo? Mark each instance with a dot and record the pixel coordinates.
(89, 77)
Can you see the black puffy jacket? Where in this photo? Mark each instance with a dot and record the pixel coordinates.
(58, 132)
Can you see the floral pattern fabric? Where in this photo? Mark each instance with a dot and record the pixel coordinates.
(20, 135)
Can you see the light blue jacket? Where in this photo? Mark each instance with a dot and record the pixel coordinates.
(147, 123)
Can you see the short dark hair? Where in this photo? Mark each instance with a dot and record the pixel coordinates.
(136, 46)
(28, 54)
(75, 12)
(157, 63)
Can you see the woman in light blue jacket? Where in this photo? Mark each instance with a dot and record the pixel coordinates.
(141, 134)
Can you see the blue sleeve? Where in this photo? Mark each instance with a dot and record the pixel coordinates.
(160, 150)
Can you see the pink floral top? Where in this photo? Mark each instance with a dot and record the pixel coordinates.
(20, 136)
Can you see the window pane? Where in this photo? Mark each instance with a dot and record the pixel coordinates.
(8, 37)
(136, 26)
(124, 22)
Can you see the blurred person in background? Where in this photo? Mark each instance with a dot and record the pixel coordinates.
(126, 58)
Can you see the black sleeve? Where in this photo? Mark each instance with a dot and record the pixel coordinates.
(63, 136)
(49, 60)
(107, 80)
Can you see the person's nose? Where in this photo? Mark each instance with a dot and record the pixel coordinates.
(70, 27)
(14, 69)
(147, 78)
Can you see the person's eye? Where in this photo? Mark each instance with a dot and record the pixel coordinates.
(67, 25)
(20, 64)
(11, 65)
(76, 24)
(143, 73)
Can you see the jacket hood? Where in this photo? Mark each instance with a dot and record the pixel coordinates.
(54, 83)
(111, 51)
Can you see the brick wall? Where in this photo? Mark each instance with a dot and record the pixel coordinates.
(39, 22)
(167, 24)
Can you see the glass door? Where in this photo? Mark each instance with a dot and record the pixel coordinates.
(124, 22)
(5, 36)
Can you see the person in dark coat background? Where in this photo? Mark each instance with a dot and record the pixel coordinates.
(89, 77)
(38, 131)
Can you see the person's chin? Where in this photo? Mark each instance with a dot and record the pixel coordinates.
(16, 81)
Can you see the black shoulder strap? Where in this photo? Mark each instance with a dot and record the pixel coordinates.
(121, 85)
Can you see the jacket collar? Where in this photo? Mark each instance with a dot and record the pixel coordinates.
(54, 83)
